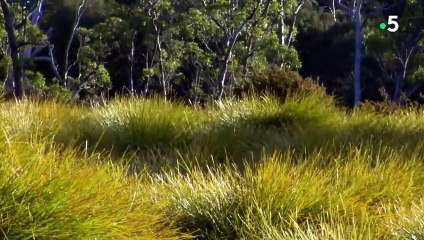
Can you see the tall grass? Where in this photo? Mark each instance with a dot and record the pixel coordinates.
(249, 169)
(351, 197)
(141, 124)
(48, 192)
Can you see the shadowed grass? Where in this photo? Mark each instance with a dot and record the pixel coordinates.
(250, 169)
(229, 130)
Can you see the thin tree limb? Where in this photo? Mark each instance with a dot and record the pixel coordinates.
(292, 26)
(78, 16)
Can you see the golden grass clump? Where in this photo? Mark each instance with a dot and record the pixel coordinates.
(248, 169)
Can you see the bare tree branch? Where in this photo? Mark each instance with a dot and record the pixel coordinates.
(230, 48)
(344, 7)
(53, 63)
(77, 59)
(292, 26)
(81, 9)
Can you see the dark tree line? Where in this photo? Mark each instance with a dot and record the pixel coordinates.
(209, 49)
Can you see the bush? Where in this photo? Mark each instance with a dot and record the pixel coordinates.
(280, 82)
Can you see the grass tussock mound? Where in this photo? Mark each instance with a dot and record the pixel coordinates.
(249, 169)
(353, 196)
(47, 193)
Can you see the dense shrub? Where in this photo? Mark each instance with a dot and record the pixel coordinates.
(279, 81)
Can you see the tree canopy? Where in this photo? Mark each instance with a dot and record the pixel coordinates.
(210, 49)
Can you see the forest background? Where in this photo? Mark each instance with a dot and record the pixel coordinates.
(198, 51)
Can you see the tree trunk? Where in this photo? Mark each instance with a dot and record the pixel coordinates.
(161, 67)
(230, 47)
(293, 24)
(131, 69)
(358, 53)
(249, 55)
(280, 31)
(13, 44)
(334, 11)
(198, 67)
(224, 67)
(8, 81)
(77, 20)
(399, 81)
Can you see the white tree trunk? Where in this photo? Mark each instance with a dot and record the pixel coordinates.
(358, 53)
(66, 66)
(131, 59)
(280, 32)
(355, 13)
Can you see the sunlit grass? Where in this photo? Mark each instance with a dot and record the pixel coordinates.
(281, 198)
(51, 194)
(248, 169)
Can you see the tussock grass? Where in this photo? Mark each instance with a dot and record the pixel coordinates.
(141, 124)
(248, 169)
(27, 118)
(52, 193)
(281, 198)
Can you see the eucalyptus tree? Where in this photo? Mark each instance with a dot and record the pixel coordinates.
(76, 65)
(231, 19)
(201, 44)
(27, 41)
(245, 33)
(4, 59)
(275, 31)
(9, 26)
(32, 18)
(168, 50)
(292, 9)
(353, 9)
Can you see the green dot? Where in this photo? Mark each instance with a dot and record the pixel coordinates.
(383, 26)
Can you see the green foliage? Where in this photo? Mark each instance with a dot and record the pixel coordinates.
(96, 76)
(418, 75)
(36, 81)
(185, 38)
(183, 49)
(393, 51)
(59, 92)
(279, 54)
(4, 65)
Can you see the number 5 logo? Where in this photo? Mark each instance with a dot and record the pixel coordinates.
(394, 26)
